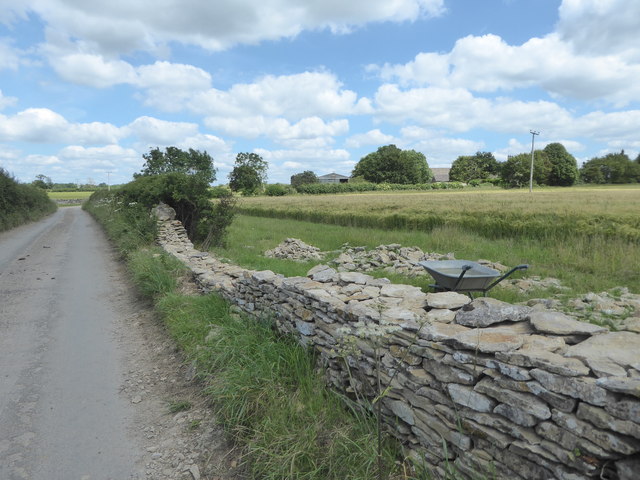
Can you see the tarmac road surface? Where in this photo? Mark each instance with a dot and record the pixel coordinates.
(61, 368)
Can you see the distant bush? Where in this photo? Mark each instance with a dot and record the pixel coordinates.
(278, 190)
(21, 203)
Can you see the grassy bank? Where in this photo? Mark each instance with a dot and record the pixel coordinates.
(21, 203)
(263, 386)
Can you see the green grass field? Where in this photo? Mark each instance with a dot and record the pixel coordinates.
(613, 212)
(598, 258)
(69, 195)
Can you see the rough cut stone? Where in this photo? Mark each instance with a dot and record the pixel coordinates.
(466, 396)
(488, 340)
(353, 277)
(583, 388)
(524, 401)
(486, 311)
(440, 315)
(601, 419)
(324, 274)
(622, 348)
(164, 212)
(558, 323)
(630, 386)
(516, 415)
(607, 440)
(448, 300)
(402, 410)
(546, 360)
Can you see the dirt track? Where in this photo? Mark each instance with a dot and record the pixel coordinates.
(86, 373)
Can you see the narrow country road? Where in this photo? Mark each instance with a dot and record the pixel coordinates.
(80, 395)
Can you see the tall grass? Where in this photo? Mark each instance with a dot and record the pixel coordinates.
(560, 214)
(582, 264)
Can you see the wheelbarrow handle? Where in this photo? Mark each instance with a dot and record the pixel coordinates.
(465, 269)
(518, 267)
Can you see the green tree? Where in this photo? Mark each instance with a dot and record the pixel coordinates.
(175, 160)
(390, 164)
(611, 168)
(303, 178)
(479, 166)
(249, 173)
(42, 181)
(516, 170)
(563, 166)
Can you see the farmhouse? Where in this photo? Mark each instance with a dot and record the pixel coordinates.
(440, 174)
(333, 178)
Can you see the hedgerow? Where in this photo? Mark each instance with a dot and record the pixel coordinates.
(21, 203)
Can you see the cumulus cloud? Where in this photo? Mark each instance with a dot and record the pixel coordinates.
(562, 63)
(6, 101)
(122, 27)
(601, 27)
(160, 132)
(310, 131)
(286, 162)
(41, 125)
(289, 96)
(372, 137)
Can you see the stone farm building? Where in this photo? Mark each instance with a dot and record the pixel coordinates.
(333, 178)
(440, 174)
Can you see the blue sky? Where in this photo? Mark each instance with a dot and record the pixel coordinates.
(87, 87)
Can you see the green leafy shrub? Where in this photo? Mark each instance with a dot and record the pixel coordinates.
(277, 190)
(21, 203)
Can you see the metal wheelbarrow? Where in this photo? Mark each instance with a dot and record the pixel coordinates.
(465, 276)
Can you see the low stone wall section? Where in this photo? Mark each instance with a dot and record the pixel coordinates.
(481, 386)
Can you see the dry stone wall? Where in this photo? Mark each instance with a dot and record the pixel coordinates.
(480, 386)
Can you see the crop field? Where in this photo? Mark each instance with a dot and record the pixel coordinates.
(69, 195)
(589, 238)
(612, 212)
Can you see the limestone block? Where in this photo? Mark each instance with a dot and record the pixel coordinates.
(441, 315)
(622, 348)
(447, 374)
(439, 332)
(488, 340)
(601, 419)
(402, 410)
(447, 300)
(546, 360)
(466, 396)
(560, 402)
(503, 425)
(322, 275)
(398, 315)
(305, 328)
(624, 409)
(570, 441)
(605, 368)
(557, 323)
(524, 401)
(630, 386)
(516, 415)
(485, 311)
(606, 440)
(583, 388)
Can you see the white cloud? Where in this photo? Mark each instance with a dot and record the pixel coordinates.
(41, 125)
(292, 97)
(488, 64)
(372, 137)
(160, 132)
(125, 26)
(6, 101)
(93, 70)
(9, 56)
(284, 163)
(601, 26)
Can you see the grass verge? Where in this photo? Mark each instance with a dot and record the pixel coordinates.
(263, 386)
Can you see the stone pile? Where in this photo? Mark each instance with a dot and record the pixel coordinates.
(296, 250)
(483, 386)
(390, 258)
